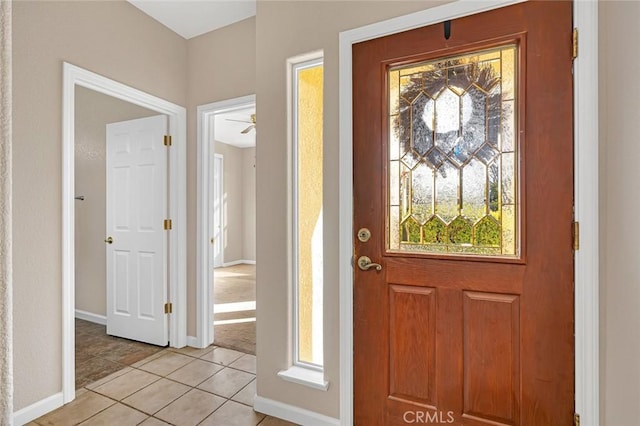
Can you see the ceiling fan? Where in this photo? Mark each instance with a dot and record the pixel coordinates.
(252, 124)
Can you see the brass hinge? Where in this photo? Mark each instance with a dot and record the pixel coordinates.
(576, 419)
(574, 47)
(168, 308)
(168, 224)
(576, 235)
(167, 140)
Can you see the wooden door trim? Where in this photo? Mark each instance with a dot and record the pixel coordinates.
(585, 187)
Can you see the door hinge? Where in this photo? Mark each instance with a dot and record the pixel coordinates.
(574, 47)
(576, 235)
(167, 140)
(168, 224)
(168, 308)
(576, 419)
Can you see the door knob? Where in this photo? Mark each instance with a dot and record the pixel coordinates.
(109, 240)
(365, 264)
(213, 240)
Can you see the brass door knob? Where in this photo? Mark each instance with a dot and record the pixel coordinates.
(365, 264)
(109, 240)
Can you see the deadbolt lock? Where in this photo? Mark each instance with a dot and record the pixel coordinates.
(364, 235)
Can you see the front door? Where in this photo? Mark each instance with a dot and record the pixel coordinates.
(463, 176)
(137, 242)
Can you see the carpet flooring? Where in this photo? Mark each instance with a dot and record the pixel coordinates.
(234, 308)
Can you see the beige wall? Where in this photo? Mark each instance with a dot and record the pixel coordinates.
(249, 203)
(239, 187)
(221, 65)
(620, 204)
(141, 53)
(285, 29)
(93, 112)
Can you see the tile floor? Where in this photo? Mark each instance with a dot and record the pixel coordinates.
(182, 387)
(98, 354)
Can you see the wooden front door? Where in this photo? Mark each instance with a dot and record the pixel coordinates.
(463, 174)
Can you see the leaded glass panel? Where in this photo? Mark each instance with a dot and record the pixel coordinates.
(453, 155)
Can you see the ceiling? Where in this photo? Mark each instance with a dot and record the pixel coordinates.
(230, 132)
(191, 18)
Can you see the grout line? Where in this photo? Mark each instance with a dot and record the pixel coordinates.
(175, 381)
(127, 396)
(98, 412)
(241, 389)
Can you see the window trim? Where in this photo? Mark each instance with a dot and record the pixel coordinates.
(299, 372)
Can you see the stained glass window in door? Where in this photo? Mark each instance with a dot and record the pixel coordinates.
(453, 160)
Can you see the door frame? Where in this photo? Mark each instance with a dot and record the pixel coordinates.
(212, 170)
(204, 260)
(75, 76)
(585, 17)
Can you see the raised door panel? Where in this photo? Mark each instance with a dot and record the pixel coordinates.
(412, 344)
(491, 357)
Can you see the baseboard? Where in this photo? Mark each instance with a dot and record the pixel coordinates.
(193, 342)
(291, 413)
(88, 316)
(37, 409)
(238, 262)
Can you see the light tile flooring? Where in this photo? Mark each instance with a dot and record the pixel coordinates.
(182, 387)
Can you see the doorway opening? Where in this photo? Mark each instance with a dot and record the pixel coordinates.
(101, 348)
(73, 78)
(226, 224)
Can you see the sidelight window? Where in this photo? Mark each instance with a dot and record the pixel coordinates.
(305, 110)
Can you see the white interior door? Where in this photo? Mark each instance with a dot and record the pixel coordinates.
(216, 206)
(137, 203)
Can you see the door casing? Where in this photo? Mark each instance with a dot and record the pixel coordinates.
(204, 260)
(585, 184)
(75, 76)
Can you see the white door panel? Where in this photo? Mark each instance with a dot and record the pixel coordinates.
(216, 202)
(136, 209)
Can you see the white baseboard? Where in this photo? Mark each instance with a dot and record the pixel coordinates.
(193, 342)
(239, 262)
(291, 413)
(37, 409)
(88, 316)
